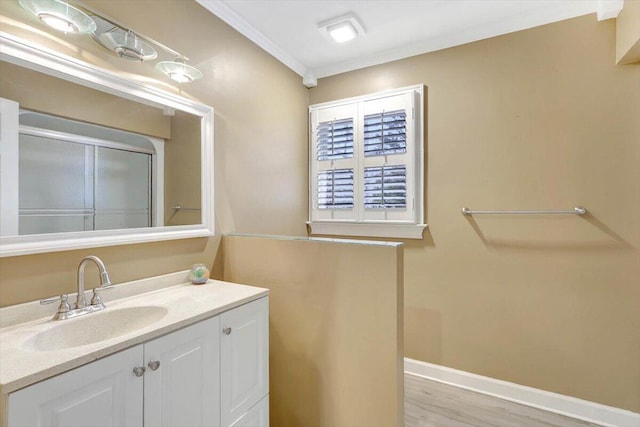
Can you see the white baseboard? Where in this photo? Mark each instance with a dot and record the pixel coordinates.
(596, 413)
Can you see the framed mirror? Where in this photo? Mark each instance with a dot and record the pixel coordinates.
(89, 158)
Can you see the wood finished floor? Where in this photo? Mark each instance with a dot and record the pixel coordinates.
(433, 404)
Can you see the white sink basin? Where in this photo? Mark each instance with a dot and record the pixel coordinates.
(94, 327)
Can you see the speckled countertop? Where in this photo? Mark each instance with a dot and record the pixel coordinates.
(21, 365)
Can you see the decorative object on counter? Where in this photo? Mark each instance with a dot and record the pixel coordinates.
(199, 274)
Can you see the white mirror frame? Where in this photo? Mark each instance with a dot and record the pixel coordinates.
(20, 52)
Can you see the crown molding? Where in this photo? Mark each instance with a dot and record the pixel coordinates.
(231, 17)
(573, 9)
(608, 9)
(605, 9)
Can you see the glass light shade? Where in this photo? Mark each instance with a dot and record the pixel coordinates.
(179, 71)
(128, 46)
(60, 16)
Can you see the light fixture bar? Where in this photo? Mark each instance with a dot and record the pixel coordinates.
(91, 11)
(126, 44)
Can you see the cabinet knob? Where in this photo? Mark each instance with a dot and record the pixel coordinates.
(139, 371)
(227, 330)
(153, 365)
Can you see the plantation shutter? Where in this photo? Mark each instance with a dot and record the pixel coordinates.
(387, 161)
(385, 187)
(385, 133)
(335, 189)
(335, 139)
(333, 164)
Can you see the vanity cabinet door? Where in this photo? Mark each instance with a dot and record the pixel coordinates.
(104, 393)
(244, 356)
(182, 378)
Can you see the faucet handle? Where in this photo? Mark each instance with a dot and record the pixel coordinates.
(63, 297)
(63, 308)
(96, 299)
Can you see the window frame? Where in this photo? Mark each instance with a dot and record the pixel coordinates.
(410, 225)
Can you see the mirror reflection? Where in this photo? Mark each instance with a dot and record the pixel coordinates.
(86, 160)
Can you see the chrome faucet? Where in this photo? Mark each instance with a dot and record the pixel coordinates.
(81, 301)
(81, 307)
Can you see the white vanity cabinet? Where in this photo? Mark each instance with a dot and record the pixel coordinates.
(212, 373)
(102, 393)
(182, 377)
(245, 360)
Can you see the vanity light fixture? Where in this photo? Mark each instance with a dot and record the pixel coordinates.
(60, 15)
(179, 70)
(72, 16)
(342, 29)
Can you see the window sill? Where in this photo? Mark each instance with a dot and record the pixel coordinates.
(398, 231)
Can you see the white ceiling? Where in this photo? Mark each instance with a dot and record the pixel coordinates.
(395, 29)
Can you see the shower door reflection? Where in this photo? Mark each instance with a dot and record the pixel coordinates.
(76, 182)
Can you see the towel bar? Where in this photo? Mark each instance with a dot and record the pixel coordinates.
(578, 210)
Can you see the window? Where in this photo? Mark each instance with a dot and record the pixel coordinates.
(367, 165)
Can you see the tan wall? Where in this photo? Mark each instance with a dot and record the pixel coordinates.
(182, 170)
(335, 322)
(628, 33)
(260, 146)
(539, 119)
